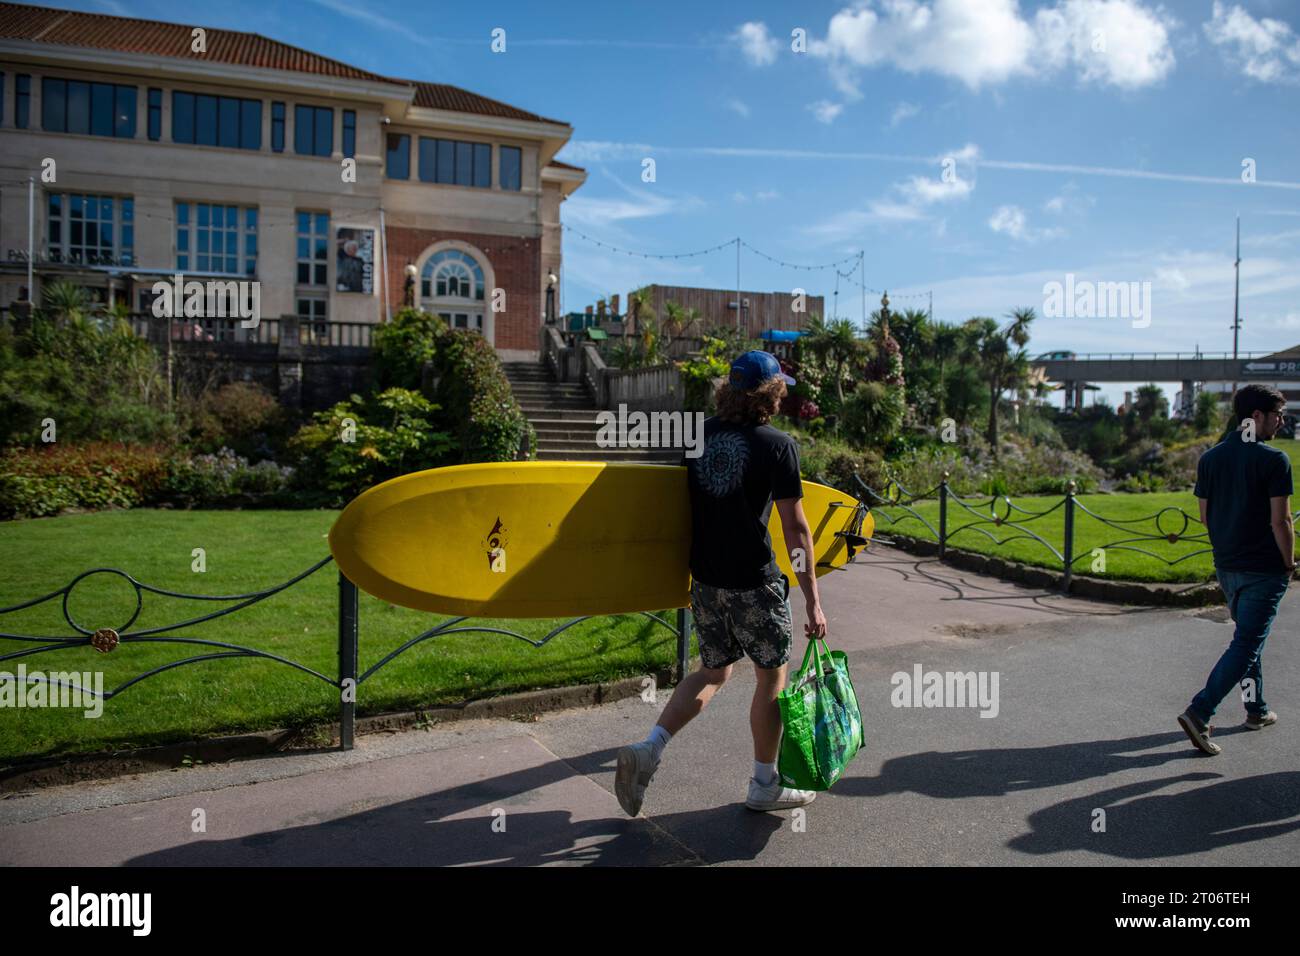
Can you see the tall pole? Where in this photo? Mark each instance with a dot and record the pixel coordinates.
(1236, 302)
(862, 275)
(738, 283)
(31, 233)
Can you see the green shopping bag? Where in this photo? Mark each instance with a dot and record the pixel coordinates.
(823, 726)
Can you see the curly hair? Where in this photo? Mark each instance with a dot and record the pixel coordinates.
(754, 407)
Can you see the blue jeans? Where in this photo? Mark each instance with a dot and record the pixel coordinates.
(1253, 597)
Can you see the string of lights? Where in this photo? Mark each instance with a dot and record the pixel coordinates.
(649, 255)
(791, 265)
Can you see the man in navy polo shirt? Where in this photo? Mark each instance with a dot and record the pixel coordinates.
(1244, 488)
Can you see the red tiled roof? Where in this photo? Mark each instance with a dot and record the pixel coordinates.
(128, 35)
(441, 96)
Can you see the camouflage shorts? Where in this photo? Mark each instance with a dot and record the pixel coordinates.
(734, 623)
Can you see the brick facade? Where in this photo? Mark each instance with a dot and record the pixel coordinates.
(516, 265)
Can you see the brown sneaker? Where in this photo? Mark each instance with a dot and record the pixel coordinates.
(1260, 721)
(1198, 732)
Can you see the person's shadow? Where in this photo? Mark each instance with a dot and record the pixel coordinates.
(1198, 820)
(418, 832)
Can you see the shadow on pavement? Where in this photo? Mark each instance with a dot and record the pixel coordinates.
(419, 832)
(1152, 825)
(975, 587)
(997, 772)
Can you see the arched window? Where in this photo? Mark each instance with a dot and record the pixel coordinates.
(451, 284)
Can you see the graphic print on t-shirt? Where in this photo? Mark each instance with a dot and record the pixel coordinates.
(722, 466)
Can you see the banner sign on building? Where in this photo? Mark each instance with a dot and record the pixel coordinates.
(355, 265)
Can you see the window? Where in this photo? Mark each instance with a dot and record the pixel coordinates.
(155, 114)
(451, 274)
(216, 238)
(22, 100)
(511, 167)
(99, 109)
(451, 283)
(91, 230)
(349, 132)
(313, 247)
(205, 120)
(313, 130)
(311, 311)
(399, 156)
(456, 162)
(277, 127)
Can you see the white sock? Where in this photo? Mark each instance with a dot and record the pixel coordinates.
(764, 773)
(658, 740)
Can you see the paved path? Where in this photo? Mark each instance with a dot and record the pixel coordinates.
(1087, 699)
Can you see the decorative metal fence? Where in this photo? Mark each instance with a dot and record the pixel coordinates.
(980, 514)
(346, 683)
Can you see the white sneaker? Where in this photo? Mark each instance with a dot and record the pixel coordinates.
(774, 796)
(636, 768)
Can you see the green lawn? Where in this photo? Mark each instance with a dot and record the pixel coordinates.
(970, 528)
(248, 551)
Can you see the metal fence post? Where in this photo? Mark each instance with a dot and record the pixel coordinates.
(943, 515)
(348, 614)
(1069, 536)
(683, 642)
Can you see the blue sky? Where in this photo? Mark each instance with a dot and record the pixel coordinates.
(1101, 138)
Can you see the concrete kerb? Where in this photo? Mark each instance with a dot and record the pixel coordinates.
(1102, 589)
(527, 705)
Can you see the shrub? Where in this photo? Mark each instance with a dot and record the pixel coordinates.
(362, 442)
(225, 478)
(700, 374)
(873, 414)
(95, 377)
(241, 416)
(402, 346)
(49, 479)
(473, 388)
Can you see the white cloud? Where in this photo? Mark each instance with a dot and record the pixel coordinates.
(1115, 42)
(990, 42)
(924, 191)
(758, 46)
(825, 110)
(1012, 221)
(738, 107)
(765, 194)
(1069, 201)
(1266, 50)
(903, 111)
(1173, 279)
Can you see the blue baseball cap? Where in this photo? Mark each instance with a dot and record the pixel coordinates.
(754, 368)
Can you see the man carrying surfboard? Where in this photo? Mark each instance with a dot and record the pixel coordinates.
(738, 596)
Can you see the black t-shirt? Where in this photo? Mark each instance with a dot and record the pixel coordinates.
(1237, 478)
(733, 483)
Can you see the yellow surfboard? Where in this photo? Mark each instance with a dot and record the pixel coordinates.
(549, 539)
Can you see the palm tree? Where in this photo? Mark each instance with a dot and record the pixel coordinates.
(947, 344)
(836, 344)
(65, 301)
(1002, 366)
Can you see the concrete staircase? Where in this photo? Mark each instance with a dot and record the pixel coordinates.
(564, 415)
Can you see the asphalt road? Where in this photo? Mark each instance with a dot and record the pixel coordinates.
(1082, 765)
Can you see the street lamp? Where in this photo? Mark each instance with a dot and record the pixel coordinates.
(551, 280)
(408, 289)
